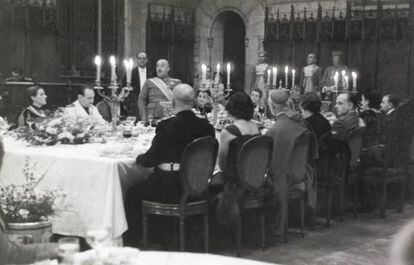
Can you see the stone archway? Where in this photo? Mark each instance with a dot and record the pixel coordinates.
(206, 42)
(228, 32)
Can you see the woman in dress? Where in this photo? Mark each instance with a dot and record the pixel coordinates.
(240, 107)
(36, 97)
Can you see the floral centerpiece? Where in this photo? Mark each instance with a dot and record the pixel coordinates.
(21, 203)
(26, 210)
(59, 128)
(222, 120)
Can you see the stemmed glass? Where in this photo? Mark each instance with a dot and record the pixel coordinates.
(68, 246)
(98, 238)
(30, 122)
(150, 118)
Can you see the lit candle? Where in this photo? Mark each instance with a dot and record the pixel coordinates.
(274, 69)
(268, 76)
(286, 76)
(293, 77)
(336, 79)
(128, 69)
(228, 73)
(354, 80)
(347, 82)
(218, 74)
(98, 62)
(203, 73)
(113, 66)
(343, 73)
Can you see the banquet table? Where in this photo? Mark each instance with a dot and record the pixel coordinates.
(184, 258)
(93, 184)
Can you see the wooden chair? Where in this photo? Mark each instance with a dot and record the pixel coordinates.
(196, 169)
(352, 177)
(252, 167)
(299, 161)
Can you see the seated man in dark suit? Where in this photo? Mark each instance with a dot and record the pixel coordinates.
(348, 120)
(172, 136)
(310, 107)
(285, 133)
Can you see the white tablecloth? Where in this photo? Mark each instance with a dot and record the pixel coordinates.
(92, 184)
(183, 258)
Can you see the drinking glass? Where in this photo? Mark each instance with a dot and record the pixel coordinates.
(150, 118)
(97, 237)
(68, 246)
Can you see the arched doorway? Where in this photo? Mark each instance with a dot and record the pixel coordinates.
(229, 33)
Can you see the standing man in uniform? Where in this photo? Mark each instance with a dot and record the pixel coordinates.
(327, 83)
(310, 75)
(156, 90)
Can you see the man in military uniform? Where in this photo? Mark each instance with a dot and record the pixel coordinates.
(156, 90)
(327, 83)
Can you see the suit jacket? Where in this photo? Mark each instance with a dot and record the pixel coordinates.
(77, 110)
(344, 125)
(172, 136)
(285, 133)
(151, 96)
(318, 124)
(131, 102)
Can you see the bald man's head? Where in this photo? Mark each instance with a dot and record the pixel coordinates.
(183, 97)
(163, 67)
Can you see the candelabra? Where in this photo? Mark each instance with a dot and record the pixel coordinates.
(114, 99)
(217, 95)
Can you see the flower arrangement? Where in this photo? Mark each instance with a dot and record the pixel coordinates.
(59, 128)
(22, 204)
(222, 120)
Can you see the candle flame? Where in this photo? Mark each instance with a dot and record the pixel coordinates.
(112, 60)
(354, 74)
(228, 67)
(343, 72)
(274, 69)
(286, 69)
(218, 67)
(293, 71)
(98, 60)
(204, 67)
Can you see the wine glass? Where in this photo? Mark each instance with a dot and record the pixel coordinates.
(97, 237)
(68, 246)
(30, 122)
(150, 118)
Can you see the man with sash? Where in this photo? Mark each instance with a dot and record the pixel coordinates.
(156, 90)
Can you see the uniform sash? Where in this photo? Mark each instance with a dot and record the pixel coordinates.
(162, 87)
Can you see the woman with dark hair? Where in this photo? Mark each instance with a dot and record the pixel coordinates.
(310, 107)
(202, 102)
(240, 107)
(36, 97)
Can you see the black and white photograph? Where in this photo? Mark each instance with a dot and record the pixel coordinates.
(208, 132)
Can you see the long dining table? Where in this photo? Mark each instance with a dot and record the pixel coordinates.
(91, 178)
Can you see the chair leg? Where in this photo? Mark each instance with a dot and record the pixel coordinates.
(383, 202)
(342, 201)
(263, 229)
(239, 235)
(286, 227)
(355, 204)
(302, 217)
(402, 198)
(329, 205)
(144, 230)
(182, 234)
(206, 233)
